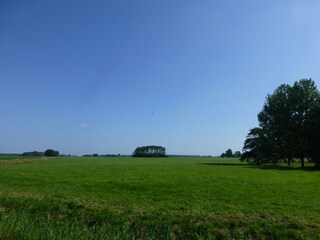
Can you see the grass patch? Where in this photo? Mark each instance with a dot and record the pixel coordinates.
(11, 160)
(170, 198)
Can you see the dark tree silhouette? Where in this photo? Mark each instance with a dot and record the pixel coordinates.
(32, 154)
(51, 153)
(289, 126)
(149, 151)
(228, 153)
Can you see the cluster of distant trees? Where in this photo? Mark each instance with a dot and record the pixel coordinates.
(51, 153)
(47, 153)
(149, 151)
(229, 153)
(33, 154)
(289, 126)
(10, 154)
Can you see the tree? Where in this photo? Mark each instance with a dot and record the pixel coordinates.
(228, 153)
(314, 139)
(258, 148)
(51, 153)
(273, 120)
(237, 154)
(287, 125)
(304, 100)
(149, 151)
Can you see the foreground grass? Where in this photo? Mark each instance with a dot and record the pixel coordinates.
(171, 198)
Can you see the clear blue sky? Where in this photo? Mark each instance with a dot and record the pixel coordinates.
(108, 76)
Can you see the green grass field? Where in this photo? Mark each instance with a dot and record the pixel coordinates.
(170, 198)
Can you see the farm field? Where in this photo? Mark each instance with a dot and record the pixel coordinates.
(166, 198)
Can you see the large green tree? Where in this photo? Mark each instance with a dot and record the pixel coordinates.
(273, 120)
(288, 121)
(304, 100)
(314, 139)
(258, 147)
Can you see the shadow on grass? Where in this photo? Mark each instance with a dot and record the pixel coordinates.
(225, 164)
(265, 167)
(286, 168)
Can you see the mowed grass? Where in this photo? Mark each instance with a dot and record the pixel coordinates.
(169, 198)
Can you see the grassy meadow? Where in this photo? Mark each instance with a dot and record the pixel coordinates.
(167, 198)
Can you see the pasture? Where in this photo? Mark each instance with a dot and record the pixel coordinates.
(165, 198)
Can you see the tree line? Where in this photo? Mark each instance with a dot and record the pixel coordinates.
(229, 154)
(149, 151)
(47, 153)
(289, 126)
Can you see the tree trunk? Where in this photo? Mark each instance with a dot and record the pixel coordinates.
(289, 162)
(302, 162)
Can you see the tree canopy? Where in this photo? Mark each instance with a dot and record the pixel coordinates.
(229, 154)
(288, 126)
(149, 151)
(32, 154)
(51, 153)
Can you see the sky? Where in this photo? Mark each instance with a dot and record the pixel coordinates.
(107, 76)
